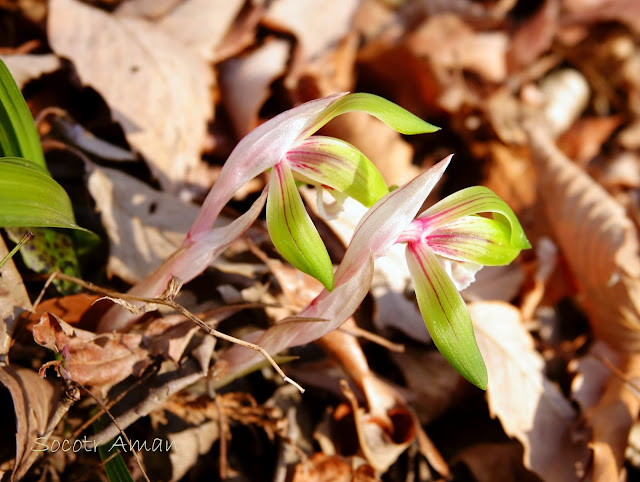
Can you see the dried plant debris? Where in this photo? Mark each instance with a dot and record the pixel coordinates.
(538, 101)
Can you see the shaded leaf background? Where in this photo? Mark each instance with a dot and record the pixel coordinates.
(538, 100)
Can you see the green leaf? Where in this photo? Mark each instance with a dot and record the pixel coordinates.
(445, 314)
(391, 114)
(325, 161)
(30, 197)
(475, 200)
(18, 134)
(291, 229)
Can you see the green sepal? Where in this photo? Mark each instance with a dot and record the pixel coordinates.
(291, 229)
(391, 114)
(445, 314)
(328, 162)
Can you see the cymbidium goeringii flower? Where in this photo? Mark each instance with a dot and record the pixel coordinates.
(446, 245)
(286, 145)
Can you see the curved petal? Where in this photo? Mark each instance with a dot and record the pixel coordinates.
(445, 314)
(291, 229)
(325, 161)
(475, 239)
(474, 200)
(391, 114)
(461, 273)
(258, 151)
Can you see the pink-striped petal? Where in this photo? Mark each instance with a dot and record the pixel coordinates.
(445, 314)
(474, 200)
(325, 161)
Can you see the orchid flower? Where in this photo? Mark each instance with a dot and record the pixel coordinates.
(285, 145)
(446, 245)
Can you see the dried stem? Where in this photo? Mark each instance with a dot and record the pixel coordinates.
(183, 311)
(27, 236)
(115, 422)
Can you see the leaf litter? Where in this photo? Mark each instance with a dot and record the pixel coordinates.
(538, 101)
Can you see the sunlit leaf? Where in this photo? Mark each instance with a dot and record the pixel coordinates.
(30, 197)
(18, 135)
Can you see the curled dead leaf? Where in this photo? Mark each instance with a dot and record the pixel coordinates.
(598, 240)
(529, 406)
(94, 360)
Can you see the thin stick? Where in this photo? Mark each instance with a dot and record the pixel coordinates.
(115, 422)
(355, 330)
(27, 236)
(183, 311)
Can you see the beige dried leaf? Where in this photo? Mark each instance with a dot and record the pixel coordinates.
(246, 82)
(598, 240)
(27, 67)
(144, 226)
(13, 301)
(35, 402)
(529, 406)
(157, 89)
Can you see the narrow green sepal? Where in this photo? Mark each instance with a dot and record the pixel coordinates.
(291, 229)
(445, 314)
(325, 161)
(391, 114)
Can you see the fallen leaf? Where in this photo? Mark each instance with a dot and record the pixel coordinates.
(159, 93)
(199, 25)
(598, 240)
(13, 301)
(27, 67)
(495, 461)
(330, 468)
(35, 402)
(318, 28)
(535, 36)
(246, 82)
(460, 48)
(97, 360)
(585, 138)
(528, 405)
(144, 226)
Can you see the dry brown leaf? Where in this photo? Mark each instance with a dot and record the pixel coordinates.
(611, 406)
(460, 48)
(144, 226)
(529, 406)
(246, 82)
(13, 301)
(328, 468)
(97, 360)
(157, 89)
(35, 402)
(584, 139)
(599, 242)
(198, 24)
(588, 11)
(535, 36)
(27, 67)
(318, 27)
(490, 462)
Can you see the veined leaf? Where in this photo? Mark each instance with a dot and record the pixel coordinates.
(18, 134)
(30, 197)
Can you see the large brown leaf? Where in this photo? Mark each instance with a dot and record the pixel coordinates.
(35, 402)
(144, 226)
(156, 87)
(598, 240)
(529, 406)
(13, 301)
